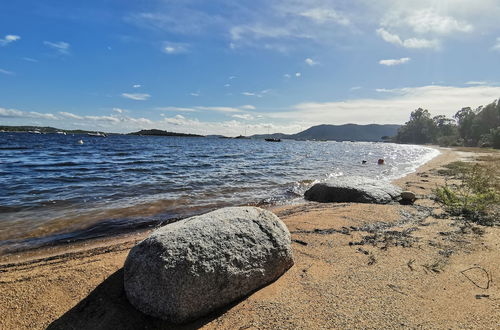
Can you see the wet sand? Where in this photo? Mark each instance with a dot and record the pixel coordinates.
(356, 266)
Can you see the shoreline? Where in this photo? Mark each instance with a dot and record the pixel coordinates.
(343, 250)
(85, 236)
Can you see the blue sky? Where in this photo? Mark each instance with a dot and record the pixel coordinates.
(226, 67)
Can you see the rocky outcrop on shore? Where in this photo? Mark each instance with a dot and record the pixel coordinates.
(355, 189)
(192, 267)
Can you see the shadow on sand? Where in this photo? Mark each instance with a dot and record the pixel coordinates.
(107, 307)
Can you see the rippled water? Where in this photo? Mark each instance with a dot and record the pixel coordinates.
(54, 189)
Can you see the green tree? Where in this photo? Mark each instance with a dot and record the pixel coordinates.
(420, 129)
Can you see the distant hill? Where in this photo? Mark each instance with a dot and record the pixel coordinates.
(45, 129)
(158, 132)
(348, 132)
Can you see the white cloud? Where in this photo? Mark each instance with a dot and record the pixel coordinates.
(425, 20)
(179, 109)
(175, 48)
(311, 62)
(393, 62)
(70, 115)
(7, 72)
(61, 46)
(29, 59)
(476, 83)
(136, 86)
(285, 25)
(298, 74)
(121, 123)
(136, 96)
(208, 108)
(497, 45)
(287, 75)
(8, 39)
(248, 94)
(219, 109)
(395, 108)
(111, 119)
(355, 88)
(13, 113)
(325, 15)
(407, 43)
(196, 94)
(245, 116)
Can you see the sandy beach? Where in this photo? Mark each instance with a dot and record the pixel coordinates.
(356, 266)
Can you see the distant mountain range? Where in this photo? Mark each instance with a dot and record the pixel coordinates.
(348, 132)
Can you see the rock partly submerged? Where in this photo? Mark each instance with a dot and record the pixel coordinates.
(355, 189)
(192, 267)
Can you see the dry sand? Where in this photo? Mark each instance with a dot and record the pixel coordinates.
(356, 266)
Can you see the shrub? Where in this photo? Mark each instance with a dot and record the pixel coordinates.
(474, 194)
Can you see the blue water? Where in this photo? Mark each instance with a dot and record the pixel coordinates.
(54, 189)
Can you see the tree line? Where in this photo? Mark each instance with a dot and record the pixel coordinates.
(468, 127)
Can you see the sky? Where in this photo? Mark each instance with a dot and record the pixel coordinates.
(243, 67)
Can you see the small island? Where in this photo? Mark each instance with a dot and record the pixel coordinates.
(158, 132)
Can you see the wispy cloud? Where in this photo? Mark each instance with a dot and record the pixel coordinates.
(476, 82)
(259, 94)
(29, 59)
(407, 43)
(326, 15)
(8, 39)
(176, 109)
(248, 94)
(61, 47)
(393, 62)
(245, 116)
(175, 48)
(394, 108)
(426, 21)
(496, 46)
(208, 108)
(13, 113)
(136, 86)
(7, 72)
(136, 96)
(219, 109)
(69, 115)
(309, 61)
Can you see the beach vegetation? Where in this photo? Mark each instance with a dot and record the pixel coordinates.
(471, 191)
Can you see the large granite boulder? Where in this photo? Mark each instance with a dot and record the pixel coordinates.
(189, 268)
(353, 189)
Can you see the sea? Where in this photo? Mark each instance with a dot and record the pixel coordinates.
(54, 189)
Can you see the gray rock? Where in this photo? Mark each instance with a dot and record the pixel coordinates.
(353, 189)
(189, 268)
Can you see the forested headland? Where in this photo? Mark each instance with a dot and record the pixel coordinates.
(468, 127)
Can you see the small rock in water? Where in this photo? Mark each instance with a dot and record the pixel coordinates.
(192, 267)
(353, 189)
